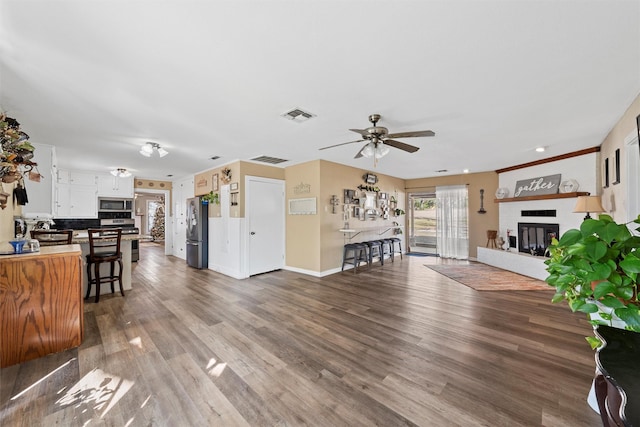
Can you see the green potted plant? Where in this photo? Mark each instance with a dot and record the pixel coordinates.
(211, 197)
(595, 269)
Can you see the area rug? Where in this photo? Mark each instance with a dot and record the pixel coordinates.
(483, 277)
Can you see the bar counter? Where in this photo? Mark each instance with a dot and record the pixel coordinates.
(41, 306)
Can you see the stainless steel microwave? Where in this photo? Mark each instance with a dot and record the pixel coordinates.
(106, 204)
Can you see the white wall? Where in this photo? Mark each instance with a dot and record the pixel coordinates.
(226, 245)
(182, 190)
(40, 193)
(583, 169)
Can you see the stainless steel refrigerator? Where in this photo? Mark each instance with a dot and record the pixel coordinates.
(197, 233)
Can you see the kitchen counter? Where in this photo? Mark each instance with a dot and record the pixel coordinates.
(83, 237)
(41, 306)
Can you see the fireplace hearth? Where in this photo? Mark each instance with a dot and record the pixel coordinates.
(535, 238)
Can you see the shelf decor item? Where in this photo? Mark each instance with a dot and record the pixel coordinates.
(502, 192)
(211, 197)
(16, 151)
(226, 176)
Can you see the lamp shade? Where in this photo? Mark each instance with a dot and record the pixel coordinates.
(369, 150)
(588, 204)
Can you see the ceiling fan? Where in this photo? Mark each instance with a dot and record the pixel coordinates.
(379, 138)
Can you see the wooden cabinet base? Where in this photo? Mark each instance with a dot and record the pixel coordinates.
(41, 306)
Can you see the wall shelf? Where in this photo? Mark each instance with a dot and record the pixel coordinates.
(351, 233)
(542, 197)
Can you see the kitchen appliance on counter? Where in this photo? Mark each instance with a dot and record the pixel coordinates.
(34, 221)
(128, 227)
(197, 233)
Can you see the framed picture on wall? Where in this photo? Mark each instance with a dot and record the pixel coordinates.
(616, 167)
(214, 182)
(638, 129)
(605, 173)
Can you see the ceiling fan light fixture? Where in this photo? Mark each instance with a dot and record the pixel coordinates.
(369, 150)
(381, 151)
(162, 152)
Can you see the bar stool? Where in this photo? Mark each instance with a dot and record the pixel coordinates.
(375, 250)
(104, 247)
(397, 240)
(358, 253)
(52, 237)
(387, 248)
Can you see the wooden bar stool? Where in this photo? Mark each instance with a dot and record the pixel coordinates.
(375, 250)
(397, 240)
(104, 247)
(387, 248)
(52, 237)
(491, 238)
(354, 254)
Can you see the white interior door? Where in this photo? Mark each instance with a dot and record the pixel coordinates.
(265, 224)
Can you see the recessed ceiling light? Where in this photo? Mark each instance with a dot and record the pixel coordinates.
(465, 171)
(540, 149)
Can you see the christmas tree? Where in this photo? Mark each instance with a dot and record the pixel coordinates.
(157, 230)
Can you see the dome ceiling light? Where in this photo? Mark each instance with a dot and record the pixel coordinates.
(148, 149)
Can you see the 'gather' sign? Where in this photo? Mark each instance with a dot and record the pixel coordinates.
(537, 186)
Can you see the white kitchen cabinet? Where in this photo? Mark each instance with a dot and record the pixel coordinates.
(113, 186)
(76, 195)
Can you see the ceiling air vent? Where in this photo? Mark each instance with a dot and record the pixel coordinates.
(298, 115)
(270, 160)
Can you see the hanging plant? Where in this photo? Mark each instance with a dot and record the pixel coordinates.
(16, 151)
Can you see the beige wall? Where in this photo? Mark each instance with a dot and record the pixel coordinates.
(203, 182)
(335, 178)
(614, 197)
(478, 223)
(313, 241)
(6, 218)
(303, 231)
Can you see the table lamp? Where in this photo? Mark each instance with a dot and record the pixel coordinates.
(588, 204)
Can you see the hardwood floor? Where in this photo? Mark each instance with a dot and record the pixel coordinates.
(394, 345)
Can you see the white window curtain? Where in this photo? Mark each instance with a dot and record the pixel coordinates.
(452, 232)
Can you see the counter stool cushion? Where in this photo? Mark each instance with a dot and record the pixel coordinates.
(104, 247)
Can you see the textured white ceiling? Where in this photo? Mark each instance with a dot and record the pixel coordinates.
(493, 79)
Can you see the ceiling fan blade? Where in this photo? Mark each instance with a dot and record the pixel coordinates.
(362, 132)
(338, 145)
(411, 134)
(360, 152)
(400, 145)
